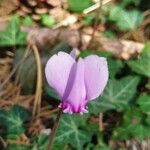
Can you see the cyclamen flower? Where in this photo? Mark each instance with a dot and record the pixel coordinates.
(76, 82)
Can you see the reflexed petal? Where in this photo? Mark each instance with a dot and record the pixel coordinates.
(58, 70)
(76, 98)
(96, 76)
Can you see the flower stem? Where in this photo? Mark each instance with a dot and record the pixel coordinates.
(52, 134)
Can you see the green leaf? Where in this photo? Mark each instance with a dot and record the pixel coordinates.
(117, 95)
(47, 20)
(124, 3)
(125, 20)
(60, 47)
(148, 84)
(132, 126)
(40, 142)
(120, 133)
(114, 13)
(78, 6)
(142, 64)
(100, 53)
(100, 144)
(132, 115)
(72, 131)
(25, 73)
(110, 34)
(27, 21)
(13, 120)
(88, 20)
(12, 34)
(130, 20)
(95, 147)
(18, 147)
(148, 119)
(144, 103)
(51, 92)
(114, 67)
(137, 131)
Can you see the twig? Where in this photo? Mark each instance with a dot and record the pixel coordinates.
(38, 93)
(95, 6)
(101, 122)
(3, 142)
(96, 21)
(146, 13)
(47, 113)
(18, 142)
(52, 135)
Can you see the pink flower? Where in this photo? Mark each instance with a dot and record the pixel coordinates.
(76, 82)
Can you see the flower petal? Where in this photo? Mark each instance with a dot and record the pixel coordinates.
(96, 76)
(58, 70)
(76, 97)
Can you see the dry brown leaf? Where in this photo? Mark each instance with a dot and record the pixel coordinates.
(54, 3)
(124, 49)
(35, 127)
(7, 6)
(59, 14)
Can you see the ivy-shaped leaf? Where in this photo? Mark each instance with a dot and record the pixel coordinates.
(144, 103)
(72, 131)
(142, 64)
(47, 20)
(114, 13)
(114, 67)
(148, 119)
(13, 120)
(130, 20)
(12, 34)
(18, 147)
(125, 20)
(138, 131)
(132, 126)
(101, 147)
(134, 116)
(27, 21)
(117, 95)
(40, 142)
(78, 6)
(124, 3)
